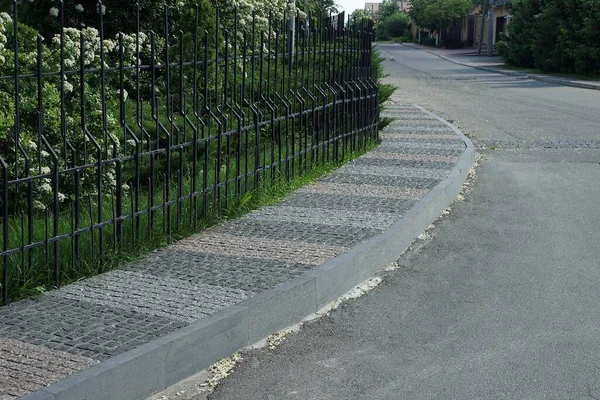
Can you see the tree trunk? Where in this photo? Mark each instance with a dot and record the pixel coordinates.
(482, 30)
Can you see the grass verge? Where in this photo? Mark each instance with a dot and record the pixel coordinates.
(140, 235)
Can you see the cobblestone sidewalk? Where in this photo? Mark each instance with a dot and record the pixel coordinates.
(46, 339)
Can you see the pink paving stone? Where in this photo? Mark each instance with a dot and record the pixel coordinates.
(393, 192)
(380, 155)
(404, 136)
(25, 368)
(262, 248)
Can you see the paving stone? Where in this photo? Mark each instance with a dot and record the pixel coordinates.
(382, 155)
(391, 147)
(298, 232)
(251, 275)
(50, 319)
(25, 368)
(424, 130)
(147, 294)
(393, 192)
(405, 144)
(419, 135)
(348, 202)
(360, 179)
(339, 217)
(270, 249)
(377, 162)
(394, 171)
(411, 116)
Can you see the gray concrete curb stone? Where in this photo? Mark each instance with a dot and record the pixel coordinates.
(152, 367)
(537, 77)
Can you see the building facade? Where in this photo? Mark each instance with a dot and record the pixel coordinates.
(471, 23)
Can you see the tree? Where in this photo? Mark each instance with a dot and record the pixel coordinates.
(318, 8)
(438, 13)
(358, 16)
(394, 26)
(554, 36)
(387, 8)
(441, 13)
(417, 13)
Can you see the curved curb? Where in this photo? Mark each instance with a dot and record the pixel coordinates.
(537, 77)
(152, 367)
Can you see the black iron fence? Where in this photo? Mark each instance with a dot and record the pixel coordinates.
(106, 143)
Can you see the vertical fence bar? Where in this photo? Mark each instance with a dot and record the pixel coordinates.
(105, 129)
(206, 141)
(17, 87)
(224, 107)
(63, 79)
(167, 176)
(5, 230)
(195, 94)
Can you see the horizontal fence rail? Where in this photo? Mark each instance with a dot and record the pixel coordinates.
(107, 143)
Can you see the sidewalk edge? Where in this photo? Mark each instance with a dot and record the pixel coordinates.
(537, 77)
(152, 367)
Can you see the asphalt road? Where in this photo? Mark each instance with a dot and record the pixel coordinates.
(503, 302)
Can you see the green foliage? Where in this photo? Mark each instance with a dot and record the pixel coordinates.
(387, 8)
(438, 13)
(554, 36)
(385, 90)
(428, 41)
(317, 7)
(118, 16)
(393, 26)
(517, 49)
(417, 13)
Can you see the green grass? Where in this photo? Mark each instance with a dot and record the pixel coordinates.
(78, 256)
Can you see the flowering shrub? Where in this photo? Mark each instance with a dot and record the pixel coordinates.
(50, 136)
(68, 145)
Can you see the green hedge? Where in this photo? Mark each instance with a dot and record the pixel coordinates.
(554, 36)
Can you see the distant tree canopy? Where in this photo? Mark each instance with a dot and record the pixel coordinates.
(387, 8)
(393, 26)
(319, 8)
(438, 14)
(358, 16)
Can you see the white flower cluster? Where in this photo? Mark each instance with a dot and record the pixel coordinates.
(277, 9)
(5, 21)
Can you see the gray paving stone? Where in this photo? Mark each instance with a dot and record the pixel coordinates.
(394, 192)
(270, 249)
(251, 275)
(299, 232)
(414, 136)
(147, 294)
(394, 171)
(382, 155)
(25, 367)
(411, 116)
(348, 202)
(339, 217)
(395, 110)
(53, 321)
(390, 147)
(359, 179)
(434, 128)
(405, 144)
(447, 166)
